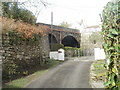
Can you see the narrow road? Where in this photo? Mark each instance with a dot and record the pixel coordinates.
(73, 73)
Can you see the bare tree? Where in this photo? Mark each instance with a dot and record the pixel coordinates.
(34, 5)
(65, 24)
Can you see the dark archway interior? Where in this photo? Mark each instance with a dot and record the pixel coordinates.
(52, 39)
(70, 41)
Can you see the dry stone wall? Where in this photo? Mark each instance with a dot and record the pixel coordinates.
(20, 55)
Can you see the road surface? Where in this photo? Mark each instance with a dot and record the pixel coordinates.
(73, 73)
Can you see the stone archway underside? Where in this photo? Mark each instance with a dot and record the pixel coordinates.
(70, 41)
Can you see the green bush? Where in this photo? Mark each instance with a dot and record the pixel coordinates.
(111, 33)
(75, 51)
(12, 10)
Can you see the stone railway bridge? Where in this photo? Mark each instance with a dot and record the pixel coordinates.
(66, 36)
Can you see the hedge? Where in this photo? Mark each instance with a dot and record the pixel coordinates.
(111, 33)
(75, 51)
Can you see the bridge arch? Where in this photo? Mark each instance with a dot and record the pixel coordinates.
(70, 41)
(52, 38)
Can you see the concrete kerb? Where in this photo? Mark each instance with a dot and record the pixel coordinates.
(94, 84)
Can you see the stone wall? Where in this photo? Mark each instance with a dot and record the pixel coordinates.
(20, 55)
(88, 44)
(45, 46)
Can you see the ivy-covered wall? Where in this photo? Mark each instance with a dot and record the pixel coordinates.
(111, 33)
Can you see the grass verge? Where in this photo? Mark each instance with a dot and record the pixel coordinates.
(22, 82)
(99, 70)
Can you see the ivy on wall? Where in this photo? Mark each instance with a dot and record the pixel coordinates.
(111, 35)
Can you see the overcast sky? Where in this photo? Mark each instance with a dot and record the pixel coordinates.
(72, 11)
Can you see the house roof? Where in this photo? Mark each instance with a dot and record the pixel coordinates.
(95, 26)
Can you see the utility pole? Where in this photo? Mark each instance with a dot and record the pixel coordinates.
(51, 20)
(101, 17)
(51, 29)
